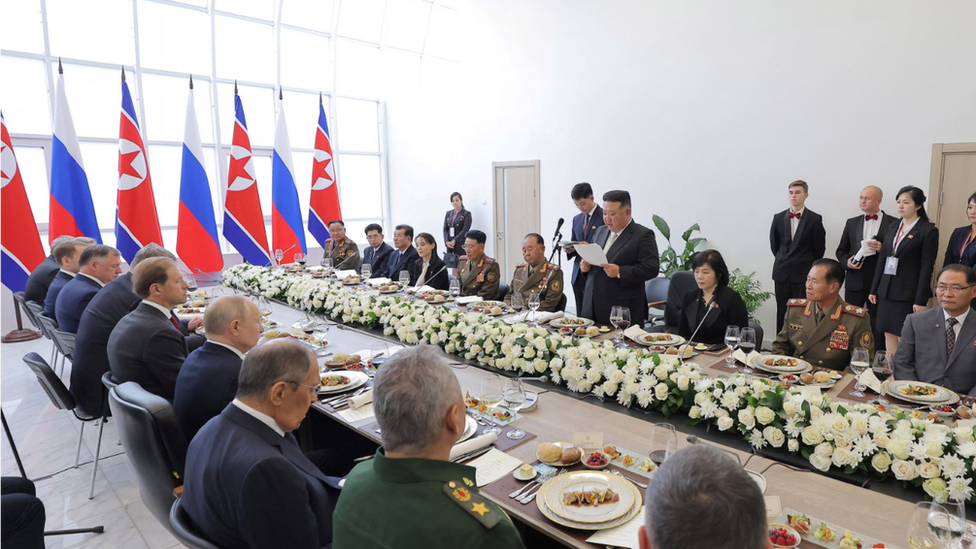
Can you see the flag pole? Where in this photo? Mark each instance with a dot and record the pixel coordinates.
(20, 334)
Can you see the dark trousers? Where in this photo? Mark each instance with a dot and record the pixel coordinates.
(786, 291)
(859, 298)
(22, 515)
(578, 289)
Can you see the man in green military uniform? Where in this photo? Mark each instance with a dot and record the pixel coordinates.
(478, 274)
(537, 275)
(410, 495)
(344, 252)
(822, 329)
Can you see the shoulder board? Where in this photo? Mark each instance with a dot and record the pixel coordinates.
(553, 266)
(475, 505)
(795, 302)
(520, 265)
(464, 257)
(855, 311)
(488, 260)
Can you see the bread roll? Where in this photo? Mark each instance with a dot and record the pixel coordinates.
(549, 452)
(571, 454)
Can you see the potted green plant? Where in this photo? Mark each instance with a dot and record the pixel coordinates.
(671, 259)
(750, 290)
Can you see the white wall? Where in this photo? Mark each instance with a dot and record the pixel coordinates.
(705, 111)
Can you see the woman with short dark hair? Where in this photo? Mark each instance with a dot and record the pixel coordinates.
(962, 243)
(724, 305)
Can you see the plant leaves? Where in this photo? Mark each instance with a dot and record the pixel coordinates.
(662, 226)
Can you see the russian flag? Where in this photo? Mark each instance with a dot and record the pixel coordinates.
(136, 221)
(20, 250)
(72, 209)
(287, 231)
(196, 233)
(243, 220)
(323, 205)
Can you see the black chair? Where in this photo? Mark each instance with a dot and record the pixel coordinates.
(503, 289)
(64, 342)
(759, 333)
(563, 300)
(681, 283)
(154, 446)
(28, 312)
(43, 327)
(184, 530)
(656, 292)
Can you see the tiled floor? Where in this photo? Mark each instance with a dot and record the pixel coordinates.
(47, 439)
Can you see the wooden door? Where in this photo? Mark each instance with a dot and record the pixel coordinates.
(953, 180)
(516, 210)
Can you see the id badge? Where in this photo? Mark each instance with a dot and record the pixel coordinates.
(891, 266)
(452, 232)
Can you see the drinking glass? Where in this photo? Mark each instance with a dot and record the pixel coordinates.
(455, 287)
(747, 342)
(404, 278)
(932, 527)
(517, 302)
(882, 370)
(732, 335)
(264, 306)
(620, 318)
(859, 364)
(279, 255)
(300, 259)
(664, 442)
(367, 271)
(491, 397)
(514, 397)
(191, 282)
(534, 303)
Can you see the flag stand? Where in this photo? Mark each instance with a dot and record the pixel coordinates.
(20, 334)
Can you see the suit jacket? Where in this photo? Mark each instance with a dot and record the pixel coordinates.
(246, 486)
(72, 301)
(461, 225)
(440, 280)
(795, 256)
(40, 280)
(398, 263)
(51, 299)
(916, 261)
(952, 255)
(850, 242)
(922, 354)
(727, 309)
(207, 383)
(377, 259)
(146, 348)
(635, 252)
(583, 232)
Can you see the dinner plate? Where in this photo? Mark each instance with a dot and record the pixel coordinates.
(895, 388)
(356, 379)
(549, 514)
(801, 366)
(561, 446)
(577, 481)
(760, 480)
(645, 339)
(470, 428)
(570, 322)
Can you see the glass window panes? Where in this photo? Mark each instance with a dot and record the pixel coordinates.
(259, 112)
(309, 14)
(107, 37)
(305, 60)
(33, 170)
(442, 33)
(245, 50)
(174, 38)
(27, 34)
(26, 103)
(302, 113)
(405, 26)
(164, 100)
(95, 98)
(362, 20)
(357, 69)
(164, 165)
(357, 125)
(260, 9)
(359, 186)
(102, 167)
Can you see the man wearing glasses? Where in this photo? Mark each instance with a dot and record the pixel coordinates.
(938, 345)
(478, 273)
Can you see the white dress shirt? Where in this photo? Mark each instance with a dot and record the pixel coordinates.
(69, 273)
(614, 236)
(166, 312)
(100, 283)
(903, 232)
(260, 416)
(872, 227)
(226, 346)
(795, 221)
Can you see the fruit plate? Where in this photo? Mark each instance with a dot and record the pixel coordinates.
(903, 389)
(837, 530)
(589, 482)
(549, 514)
(767, 364)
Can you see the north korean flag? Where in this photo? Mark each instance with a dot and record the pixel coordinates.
(21, 245)
(323, 205)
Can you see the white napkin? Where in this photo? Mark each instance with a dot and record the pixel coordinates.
(634, 332)
(359, 400)
(870, 380)
(315, 268)
(422, 290)
(468, 299)
(743, 358)
(345, 274)
(867, 252)
(541, 318)
(378, 281)
(473, 444)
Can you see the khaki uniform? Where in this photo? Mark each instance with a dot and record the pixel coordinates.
(479, 278)
(829, 343)
(547, 281)
(345, 254)
(418, 503)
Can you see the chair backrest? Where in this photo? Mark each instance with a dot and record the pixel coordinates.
(503, 289)
(48, 326)
(154, 445)
(563, 300)
(682, 282)
(109, 381)
(51, 383)
(65, 342)
(184, 530)
(759, 333)
(656, 289)
(28, 312)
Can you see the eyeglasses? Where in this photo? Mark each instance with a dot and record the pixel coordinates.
(312, 389)
(942, 288)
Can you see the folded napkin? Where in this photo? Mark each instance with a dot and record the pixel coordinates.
(634, 332)
(469, 299)
(345, 274)
(377, 281)
(541, 318)
(473, 444)
(314, 268)
(422, 290)
(743, 358)
(360, 400)
(870, 380)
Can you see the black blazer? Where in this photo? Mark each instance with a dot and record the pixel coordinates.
(461, 224)
(60, 279)
(850, 242)
(40, 280)
(398, 263)
(795, 256)
(916, 261)
(207, 383)
(72, 301)
(583, 233)
(146, 348)
(635, 252)
(247, 486)
(377, 259)
(728, 309)
(440, 280)
(959, 236)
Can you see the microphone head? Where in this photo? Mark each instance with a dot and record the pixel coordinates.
(544, 379)
(692, 439)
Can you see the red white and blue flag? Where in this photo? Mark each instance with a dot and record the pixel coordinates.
(196, 233)
(136, 220)
(323, 205)
(20, 250)
(287, 231)
(72, 209)
(243, 220)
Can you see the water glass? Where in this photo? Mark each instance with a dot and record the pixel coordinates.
(455, 287)
(518, 303)
(404, 278)
(859, 364)
(491, 397)
(326, 265)
(514, 397)
(191, 282)
(264, 306)
(366, 270)
(534, 303)
(931, 527)
(279, 255)
(732, 335)
(620, 318)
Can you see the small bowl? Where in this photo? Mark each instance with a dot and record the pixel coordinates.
(520, 477)
(586, 461)
(943, 415)
(789, 529)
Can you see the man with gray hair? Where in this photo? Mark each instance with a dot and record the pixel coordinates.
(701, 481)
(99, 265)
(247, 483)
(41, 277)
(435, 502)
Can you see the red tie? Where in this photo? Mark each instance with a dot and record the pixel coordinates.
(796, 215)
(176, 323)
(871, 217)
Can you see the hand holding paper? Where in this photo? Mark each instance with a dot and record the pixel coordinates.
(592, 254)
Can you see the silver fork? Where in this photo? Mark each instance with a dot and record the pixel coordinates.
(538, 480)
(528, 497)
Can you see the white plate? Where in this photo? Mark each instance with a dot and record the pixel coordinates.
(470, 428)
(675, 340)
(520, 477)
(585, 481)
(893, 387)
(549, 514)
(760, 480)
(356, 379)
(561, 322)
(801, 366)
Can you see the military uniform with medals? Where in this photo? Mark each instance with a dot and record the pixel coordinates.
(345, 254)
(826, 343)
(479, 278)
(417, 503)
(545, 280)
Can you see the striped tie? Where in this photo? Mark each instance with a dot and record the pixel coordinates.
(950, 335)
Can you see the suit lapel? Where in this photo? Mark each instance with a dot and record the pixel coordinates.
(966, 334)
(908, 240)
(858, 233)
(622, 239)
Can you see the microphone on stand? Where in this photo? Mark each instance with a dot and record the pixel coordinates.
(431, 277)
(681, 349)
(559, 225)
(556, 248)
(208, 276)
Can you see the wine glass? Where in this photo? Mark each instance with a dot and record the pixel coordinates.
(882, 370)
(455, 287)
(859, 364)
(491, 397)
(732, 336)
(620, 318)
(747, 342)
(191, 282)
(514, 397)
(264, 306)
(300, 258)
(534, 303)
(664, 442)
(933, 527)
(404, 278)
(518, 303)
(326, 265)
(279, 255)
(367, 271)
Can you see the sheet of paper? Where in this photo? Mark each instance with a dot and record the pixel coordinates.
(493, 465)
(565, 243)
(345, 274)
(773, 506)
(872, 382)
(634, 332)
(353, 415)
(589, 440)
(624, 535)
(592, 253)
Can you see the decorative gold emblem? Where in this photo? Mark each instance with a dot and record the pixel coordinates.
(461, 494)
(479, 508)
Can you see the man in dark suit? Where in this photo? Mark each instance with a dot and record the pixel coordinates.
(797, 239)
(403, 256)
(631, 251)
(40, 279)
(100, 264)
(938, 345)
(247, 483)
(377, 254)
(585, 225)
(67, 254)
(147, 345)
(208, 379)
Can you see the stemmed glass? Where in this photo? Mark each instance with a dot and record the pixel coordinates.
(326, 264)
(882, 371)
(404, 278)
(514, 397)
(732, 336)
(455, 287)
(300, 258)
(367, 271)
(517, 302)
(534, 303)
(934, 527)
(620, 318)
(279, 255)
(264, 306)
(859, 364)
(664, 442)
(191, 282)
(491, 397)
(747, 342)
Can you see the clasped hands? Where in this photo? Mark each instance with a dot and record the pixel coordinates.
(611, 269)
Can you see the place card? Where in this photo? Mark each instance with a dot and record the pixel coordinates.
(870, 380)
(591, 441)
(626, 535)
(493, 465)
(744, 358)
(634, 332)
(773, 506)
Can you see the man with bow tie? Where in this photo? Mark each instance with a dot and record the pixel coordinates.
(797, 239)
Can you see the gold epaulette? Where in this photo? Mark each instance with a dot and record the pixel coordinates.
(465, 494)
(855, 311)
(796, 302)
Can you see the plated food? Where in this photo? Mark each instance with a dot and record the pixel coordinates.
(570, 322)
(780, 364)
(660, 339)
(334, 380)
(190, 310)
(340, 360)
(388, 288)
(589, 500)
(919, 392)
(596, 460)
(338, 383)
(351, 280)
(782, 535)
(559, 454)
(582, 331)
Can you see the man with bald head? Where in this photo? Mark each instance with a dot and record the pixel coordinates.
(207, 381)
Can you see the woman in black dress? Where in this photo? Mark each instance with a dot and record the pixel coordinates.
(903, 279)
(429, 269)
(726, 305)
(457, 223)
(962, 243)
